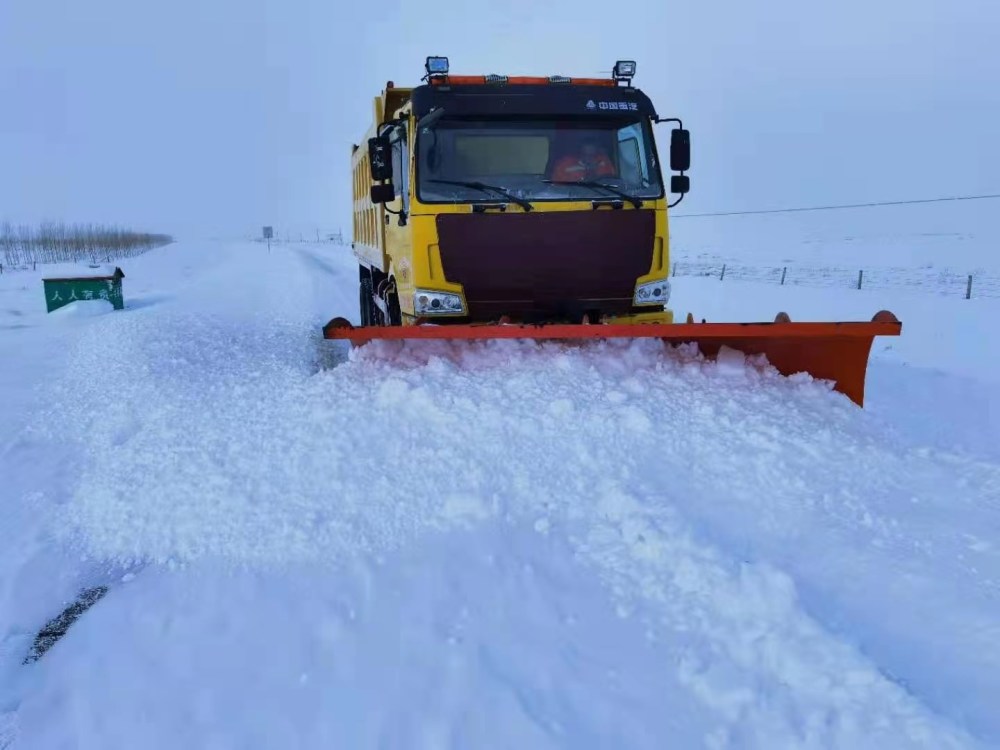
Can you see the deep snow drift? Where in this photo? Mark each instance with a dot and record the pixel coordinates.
(492, 545)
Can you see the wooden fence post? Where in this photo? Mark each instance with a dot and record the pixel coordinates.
(861, 274)
(783, 272)
(968, 288)
(723, 274)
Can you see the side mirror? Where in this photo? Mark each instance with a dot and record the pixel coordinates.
(680, 183)
(383, 193)
(680, 150)
(380, 158)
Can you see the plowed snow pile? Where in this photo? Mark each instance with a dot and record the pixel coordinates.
(500, 544)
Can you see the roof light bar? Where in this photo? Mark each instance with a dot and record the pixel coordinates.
(495, 78)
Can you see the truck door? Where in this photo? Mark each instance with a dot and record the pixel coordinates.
(397, 230)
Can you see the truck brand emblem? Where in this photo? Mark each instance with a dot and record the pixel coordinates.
(618, 106)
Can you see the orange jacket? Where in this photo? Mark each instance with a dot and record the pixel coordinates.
(576, 168)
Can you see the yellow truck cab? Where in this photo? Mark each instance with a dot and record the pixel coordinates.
(528, 200)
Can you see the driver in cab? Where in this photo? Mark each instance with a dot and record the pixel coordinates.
(590, 161)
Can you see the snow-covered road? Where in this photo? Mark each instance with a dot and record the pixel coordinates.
(497, 544)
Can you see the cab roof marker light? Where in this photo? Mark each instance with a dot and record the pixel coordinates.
(624, 70)
(560, 79)
(495, 78)
(437, 66)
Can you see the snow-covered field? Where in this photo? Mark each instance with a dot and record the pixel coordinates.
(924, 280)
(499, 544)
(925, 249)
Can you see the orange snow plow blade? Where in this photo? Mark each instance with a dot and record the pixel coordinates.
(827, 351)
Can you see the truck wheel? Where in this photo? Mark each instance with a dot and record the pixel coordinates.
(395, 314)
(366, 304)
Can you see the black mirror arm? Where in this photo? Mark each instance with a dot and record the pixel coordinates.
(430, 118)
(388, 125)
(401, 213)
(671, 205)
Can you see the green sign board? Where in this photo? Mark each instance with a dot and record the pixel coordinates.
(66, 290)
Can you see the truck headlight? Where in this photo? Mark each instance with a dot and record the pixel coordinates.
(426, 302)
(652, 293)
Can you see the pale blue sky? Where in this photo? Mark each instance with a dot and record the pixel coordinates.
(211, 118)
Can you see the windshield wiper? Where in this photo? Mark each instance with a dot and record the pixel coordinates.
(633, 199)
(475, 184)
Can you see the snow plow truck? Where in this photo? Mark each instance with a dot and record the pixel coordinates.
(493, 206)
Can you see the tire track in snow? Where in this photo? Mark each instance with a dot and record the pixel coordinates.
(218, 443)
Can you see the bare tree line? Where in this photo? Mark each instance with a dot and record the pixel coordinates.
(52, 242)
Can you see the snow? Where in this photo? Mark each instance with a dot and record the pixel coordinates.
(82, 270)
(490, 544)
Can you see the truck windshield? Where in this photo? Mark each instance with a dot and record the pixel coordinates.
(537, 160)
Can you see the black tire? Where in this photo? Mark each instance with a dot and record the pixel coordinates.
(395, 314)
(366, 304)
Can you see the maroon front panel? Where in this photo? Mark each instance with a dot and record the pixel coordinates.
(547, 263)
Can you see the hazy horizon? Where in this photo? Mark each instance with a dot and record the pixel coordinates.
(211, 121)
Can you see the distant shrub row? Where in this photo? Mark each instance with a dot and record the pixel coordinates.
(70, 243)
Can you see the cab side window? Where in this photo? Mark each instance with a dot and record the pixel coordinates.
(630, 151)
(401, 165)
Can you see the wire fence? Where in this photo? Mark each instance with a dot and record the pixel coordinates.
(945, 282)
